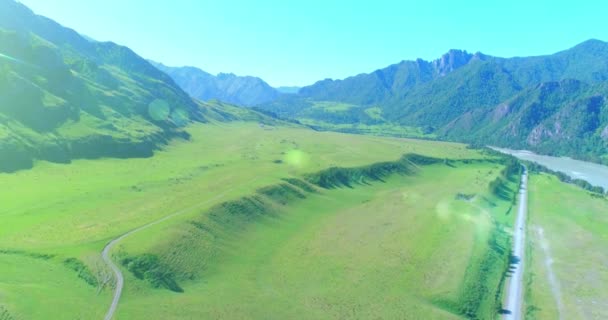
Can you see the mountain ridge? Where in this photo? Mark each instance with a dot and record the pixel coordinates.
(440, 95)
(228, 87)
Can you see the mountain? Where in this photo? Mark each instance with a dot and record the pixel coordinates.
(585, 62)
(227, 87)
(380, 85)
(451, 97)
(63, 96)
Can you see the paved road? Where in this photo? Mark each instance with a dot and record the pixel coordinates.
(105, 254)
(514, 299)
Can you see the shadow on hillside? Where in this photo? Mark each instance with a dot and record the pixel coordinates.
(494, 245)
(514, 178)
(504, 192)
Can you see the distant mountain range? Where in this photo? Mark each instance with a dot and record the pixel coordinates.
(64, 96)
(554, 104)
(227, 87)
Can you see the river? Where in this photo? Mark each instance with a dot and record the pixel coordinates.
(593, 173)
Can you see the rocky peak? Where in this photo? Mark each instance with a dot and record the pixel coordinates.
(451, 61)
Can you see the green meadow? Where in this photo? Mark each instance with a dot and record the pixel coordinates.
(397, 249)
(379, 129)
(257, 234)
(567, 239)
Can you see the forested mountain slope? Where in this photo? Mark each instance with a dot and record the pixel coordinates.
(460, 96)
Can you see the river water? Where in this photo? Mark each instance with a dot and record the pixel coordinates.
(593, 173)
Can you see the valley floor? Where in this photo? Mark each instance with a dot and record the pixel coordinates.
(343, 252)
(568, 260)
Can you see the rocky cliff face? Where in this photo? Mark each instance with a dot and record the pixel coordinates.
(451, 61)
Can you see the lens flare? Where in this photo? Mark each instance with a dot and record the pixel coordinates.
(15, 60)
(180, 117)
(9, 58)
(159, 110)
(296, 158)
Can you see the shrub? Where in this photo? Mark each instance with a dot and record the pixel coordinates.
(4, 314)
(83, 271)
(148, 267)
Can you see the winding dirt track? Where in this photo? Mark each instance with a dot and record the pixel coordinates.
(105, 254)
(514, 299)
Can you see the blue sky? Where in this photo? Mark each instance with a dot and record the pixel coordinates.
(299, 42)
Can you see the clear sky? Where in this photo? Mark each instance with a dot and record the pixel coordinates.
(299, 42)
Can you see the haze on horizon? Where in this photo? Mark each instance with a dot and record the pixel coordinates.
(297, 44)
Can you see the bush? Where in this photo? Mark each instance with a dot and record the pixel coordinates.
(464, 197)
(4, 314)
(83, 271)
(148, 267)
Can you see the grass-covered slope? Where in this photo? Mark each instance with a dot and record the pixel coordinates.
(64, 97)
(373, 241)
(55, 213)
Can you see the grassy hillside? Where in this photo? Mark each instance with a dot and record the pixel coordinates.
(64, 97)
(71, 211)
(57, 228)
(568, 234)
(375, 250)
